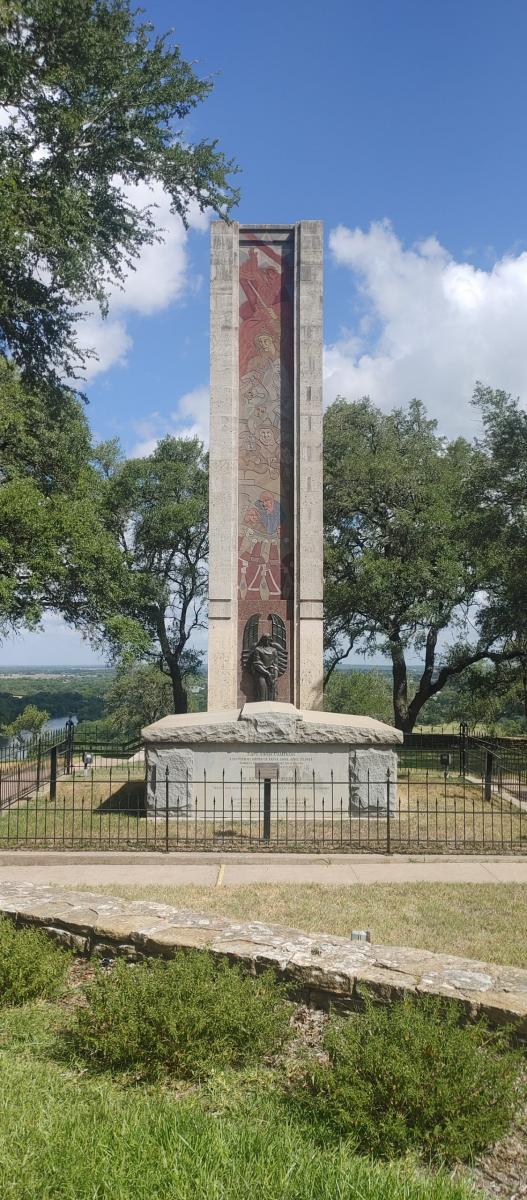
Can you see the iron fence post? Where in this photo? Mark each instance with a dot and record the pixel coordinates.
(388, 830)
(39, 762)
(267, 811)
(70, 733)
(463, 732)
(489, 760)
(53, 773)
(167, 793)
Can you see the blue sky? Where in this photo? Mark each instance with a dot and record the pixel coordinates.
(402, 126)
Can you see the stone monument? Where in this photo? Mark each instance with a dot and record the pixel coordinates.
(265, 655)
(265, 569)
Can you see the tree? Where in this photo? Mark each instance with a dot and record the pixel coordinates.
(365, 692)
(139, 695)
(500, 498)
(406, 553)
(55, 552)
(95, 104)
(157, 512)
(30, 721)
(493, 696)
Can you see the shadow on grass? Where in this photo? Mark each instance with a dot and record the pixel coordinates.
(130, 798)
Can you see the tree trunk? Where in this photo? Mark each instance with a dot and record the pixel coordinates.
(425, 689)
(178, 691)
(172, 661)
(400, 685)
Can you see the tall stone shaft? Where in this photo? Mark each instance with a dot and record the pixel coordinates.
(265, 565)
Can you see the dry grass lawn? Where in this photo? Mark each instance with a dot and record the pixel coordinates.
(106, 809)
(484, 921)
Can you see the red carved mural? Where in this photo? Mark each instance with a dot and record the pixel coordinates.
(266, 447)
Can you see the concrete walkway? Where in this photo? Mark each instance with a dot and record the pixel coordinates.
(215, 870)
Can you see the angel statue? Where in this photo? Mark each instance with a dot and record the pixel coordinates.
(265, 657)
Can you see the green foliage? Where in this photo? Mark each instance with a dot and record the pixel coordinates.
(139, 695)
(68, 691)
(366, 692)
(55, 552)
(31, 966)
(409, 549)
(96, 105)
(30, 720)
(188, 1017)
(491, 697)
(501, 499)
(156, 509)
(409, 1077)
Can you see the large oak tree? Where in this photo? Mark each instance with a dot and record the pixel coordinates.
(92, 102)
(410, 549)
(156, 509)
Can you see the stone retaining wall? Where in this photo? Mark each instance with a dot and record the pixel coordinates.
(324, 970)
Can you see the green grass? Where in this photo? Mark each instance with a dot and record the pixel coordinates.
(476, 920)
(69, 1137)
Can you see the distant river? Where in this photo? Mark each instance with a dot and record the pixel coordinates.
(7, 745)
(58, 723)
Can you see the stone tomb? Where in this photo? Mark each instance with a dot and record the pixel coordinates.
(217, 763)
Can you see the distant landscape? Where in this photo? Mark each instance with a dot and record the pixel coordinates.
(60, 691)
(81, 692)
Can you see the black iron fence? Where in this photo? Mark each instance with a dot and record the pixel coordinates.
(452, 794)
(26, 767)
(499, 764)
(26, 749)
(421, 811)
(30, 764)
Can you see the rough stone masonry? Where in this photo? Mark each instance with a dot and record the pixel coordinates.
(323, 969)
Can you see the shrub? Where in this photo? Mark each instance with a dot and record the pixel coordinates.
(188, 1017)
(30, 965)
(410, 1077)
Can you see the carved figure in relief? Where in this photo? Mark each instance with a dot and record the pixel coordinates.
(271, 513)
(264, 552)
(265, 657)
(265, 421)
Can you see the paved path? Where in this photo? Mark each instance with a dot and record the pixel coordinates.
(215, 870)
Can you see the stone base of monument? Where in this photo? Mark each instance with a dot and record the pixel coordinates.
(270, 758)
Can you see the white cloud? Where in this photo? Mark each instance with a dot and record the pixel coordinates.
(189, 419)
(161, 277)
(146, 447)
(192, 414)
(110, 340)
(427, 326)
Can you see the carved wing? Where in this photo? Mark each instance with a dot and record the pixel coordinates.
(250, 637)
(279, 639)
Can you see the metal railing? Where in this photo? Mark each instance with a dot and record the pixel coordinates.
(424, 810)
